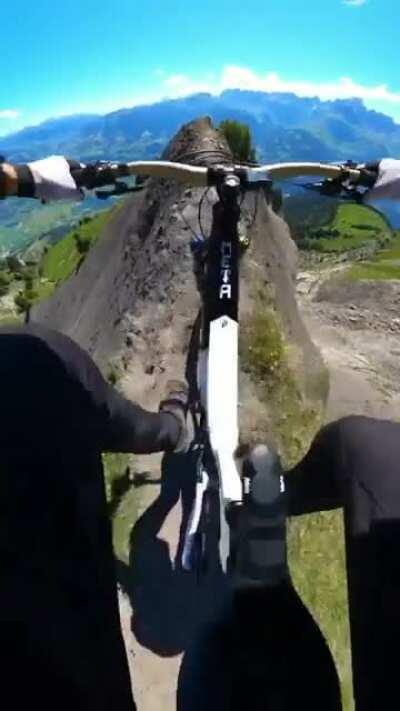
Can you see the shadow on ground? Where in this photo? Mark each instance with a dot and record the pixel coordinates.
(169, 604)
(261, 647)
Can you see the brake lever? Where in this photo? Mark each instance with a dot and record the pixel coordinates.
(93, 176)
(335, 188)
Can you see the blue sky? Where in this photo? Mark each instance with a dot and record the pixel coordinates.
(97, 55)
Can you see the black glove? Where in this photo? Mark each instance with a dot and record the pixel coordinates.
(261, 549)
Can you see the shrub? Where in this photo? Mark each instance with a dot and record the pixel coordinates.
(83, 242)
(4, 283)
(265, 347)
(113, 374)
(239, 140)
(21, 302)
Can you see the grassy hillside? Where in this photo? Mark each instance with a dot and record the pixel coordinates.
(21, 285)
(23, 221)
(384, 265)
(62, 260)
(353, 226)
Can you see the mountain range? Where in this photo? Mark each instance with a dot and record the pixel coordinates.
(284, 127)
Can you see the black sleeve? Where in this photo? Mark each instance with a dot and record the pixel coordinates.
(315, 483)
(112, 422)
(130, 428)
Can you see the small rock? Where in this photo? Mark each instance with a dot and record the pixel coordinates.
(129, 340)
(149, 369)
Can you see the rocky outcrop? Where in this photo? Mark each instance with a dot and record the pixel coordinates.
(135, 296)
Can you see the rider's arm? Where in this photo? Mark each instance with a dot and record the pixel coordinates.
(130, 428)
(315, 483)
(8, 180)
(105, 419)
(47, 179)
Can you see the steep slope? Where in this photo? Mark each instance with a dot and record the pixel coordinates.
(139, 277)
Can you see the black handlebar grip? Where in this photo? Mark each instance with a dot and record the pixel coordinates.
(369, 174)
(261, 552)
(94, 176)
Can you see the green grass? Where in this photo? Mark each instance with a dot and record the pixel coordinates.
(44, 289)
(317, 563)
(264, 354)
(316, 542)
(58, 263)
(62, 260)
(7, 318)
(356, 225)
(383, 266)
(377, 272)
(349, 216)
(122, 500)
(340, 244)
(392, 252)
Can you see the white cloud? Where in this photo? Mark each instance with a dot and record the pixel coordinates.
(234, 77)
(180, 85)
(9, 114)
(164, 86)
(354, 3)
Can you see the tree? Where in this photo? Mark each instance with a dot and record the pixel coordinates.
(29, 277)
(4, 282)
(22, 302)
(26, 298)
(239, 140)
(83, 242)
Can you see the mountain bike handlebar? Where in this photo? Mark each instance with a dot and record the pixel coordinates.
(100, 174)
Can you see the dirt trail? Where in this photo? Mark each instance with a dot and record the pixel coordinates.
(154, 677)
(162, 607)
(356, 328)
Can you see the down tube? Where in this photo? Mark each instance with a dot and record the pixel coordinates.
(222, 329)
